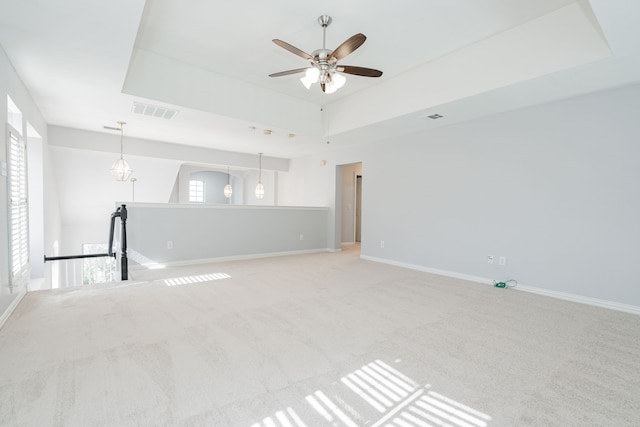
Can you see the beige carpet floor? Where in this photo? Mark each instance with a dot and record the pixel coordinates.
(314, 340)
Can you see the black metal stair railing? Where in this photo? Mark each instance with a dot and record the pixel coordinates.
(121, 212)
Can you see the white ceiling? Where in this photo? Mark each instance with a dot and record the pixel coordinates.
(86, 62)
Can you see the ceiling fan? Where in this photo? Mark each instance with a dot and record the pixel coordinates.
(324, 62)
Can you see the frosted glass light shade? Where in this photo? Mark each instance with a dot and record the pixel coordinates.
(259, 191)
(228, 191)
(310, 77)
(335, 82)
(121, 170)
(338, 79)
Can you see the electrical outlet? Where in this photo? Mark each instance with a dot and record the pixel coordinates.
(503, 260)
(302, 237)
(382, 243)
(490, 259)
(169, 244)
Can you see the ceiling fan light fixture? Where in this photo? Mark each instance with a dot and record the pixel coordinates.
(324, 62)
(338, 80)
(333, 82)
(310, 77)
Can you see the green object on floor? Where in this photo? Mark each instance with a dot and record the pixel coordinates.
(506, 284)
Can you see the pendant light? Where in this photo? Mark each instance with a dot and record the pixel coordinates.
(120, 168)
(260, 187)
(228, 190)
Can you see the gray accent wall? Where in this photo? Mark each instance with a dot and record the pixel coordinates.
(199, 232)
(552, 188)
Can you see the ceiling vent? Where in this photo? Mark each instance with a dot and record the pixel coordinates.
(153, 111)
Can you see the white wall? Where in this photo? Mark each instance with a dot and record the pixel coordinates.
(10, 84)
(35, 169)
(552, 187)
(110, 143)
(90, 194)
(52, 217)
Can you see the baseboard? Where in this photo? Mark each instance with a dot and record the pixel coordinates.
(430, 270)
(36, 284)
(139, 267)
(612, 305)
(11, 307)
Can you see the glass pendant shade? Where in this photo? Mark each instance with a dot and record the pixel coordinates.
(228, 190)
(260, 187)
(259, 191)
(121, 170)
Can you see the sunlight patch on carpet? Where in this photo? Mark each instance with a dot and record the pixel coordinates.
(379, 385)
(400, 402)
(185, 280)
(144, 261)
(287, 418)
(325, 407)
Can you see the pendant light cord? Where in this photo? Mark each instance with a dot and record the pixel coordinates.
(122, 139)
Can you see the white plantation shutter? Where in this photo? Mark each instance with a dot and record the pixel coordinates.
(18, 212)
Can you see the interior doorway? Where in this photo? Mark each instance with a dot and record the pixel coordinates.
(349, 196)
(358, 204)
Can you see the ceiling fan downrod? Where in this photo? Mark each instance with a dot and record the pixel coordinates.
(324, 21)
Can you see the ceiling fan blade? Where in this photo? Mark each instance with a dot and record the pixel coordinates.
(359, 71)
(293, 49)
(348, 46)
(323, 86)
(286, 73)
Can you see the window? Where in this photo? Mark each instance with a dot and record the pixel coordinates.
(14, 115)
(18, 209)
(196, 191)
